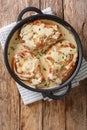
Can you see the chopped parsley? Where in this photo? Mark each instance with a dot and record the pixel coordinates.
(57, 61)
(46, 84)
(12, 48)
(16, 38)
(43, 51)
(62, 67)
(64, 57)
(21, 36)
(44, 69)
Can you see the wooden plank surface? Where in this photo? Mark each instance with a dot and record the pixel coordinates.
(69, 113)
(75, 12)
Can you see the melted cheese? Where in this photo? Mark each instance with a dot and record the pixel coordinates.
(26, 30)
(30, 44)
(32, 34)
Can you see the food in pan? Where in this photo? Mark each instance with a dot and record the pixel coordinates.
(39, 35)
(59, 61)
(43, 54)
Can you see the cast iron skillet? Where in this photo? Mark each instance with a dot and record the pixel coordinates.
(67, 84)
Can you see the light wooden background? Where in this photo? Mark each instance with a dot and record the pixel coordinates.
(69, 113)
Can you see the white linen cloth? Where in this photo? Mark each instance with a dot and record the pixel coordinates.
(30, 96)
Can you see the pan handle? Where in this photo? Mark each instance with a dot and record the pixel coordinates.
(26, 10)
(59, 96)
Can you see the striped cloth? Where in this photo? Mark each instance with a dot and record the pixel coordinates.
(30, 96)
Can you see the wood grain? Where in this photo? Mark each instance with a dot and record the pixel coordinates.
(75, 12)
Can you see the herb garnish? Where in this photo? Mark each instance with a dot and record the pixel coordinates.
(39, 54)
(9, 53)
(45, 84)
(38, 65)
(16, 38)
(43, 51)
(44, 69)
(56, 62)
(12, 48)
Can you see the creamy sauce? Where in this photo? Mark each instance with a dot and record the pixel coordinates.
(15, 47)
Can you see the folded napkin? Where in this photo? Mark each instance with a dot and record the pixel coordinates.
(30, 96)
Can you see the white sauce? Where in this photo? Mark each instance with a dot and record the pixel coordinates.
(30, 64)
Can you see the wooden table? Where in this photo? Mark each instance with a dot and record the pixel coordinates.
(69, 113)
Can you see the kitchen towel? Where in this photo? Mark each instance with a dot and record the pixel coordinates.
(30, 96)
